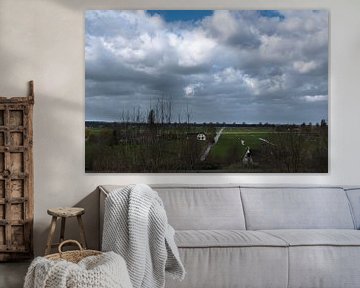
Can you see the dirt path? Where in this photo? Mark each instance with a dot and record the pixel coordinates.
(266, 141)
(216, 139)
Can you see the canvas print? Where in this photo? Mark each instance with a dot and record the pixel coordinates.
(206, 91)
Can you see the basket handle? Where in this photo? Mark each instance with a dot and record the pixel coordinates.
(69, 241)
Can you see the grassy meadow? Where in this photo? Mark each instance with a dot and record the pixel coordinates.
(140, 147)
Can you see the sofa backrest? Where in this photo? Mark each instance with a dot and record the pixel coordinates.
(203, 207)
(214, 207)
(296, 208)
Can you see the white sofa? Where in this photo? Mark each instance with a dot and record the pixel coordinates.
(264, 237)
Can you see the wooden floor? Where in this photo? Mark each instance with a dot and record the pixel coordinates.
(12, 274)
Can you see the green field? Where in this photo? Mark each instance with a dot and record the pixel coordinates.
(232, 136)
(175, 148)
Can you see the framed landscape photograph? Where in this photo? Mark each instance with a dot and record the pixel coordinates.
(242, 91)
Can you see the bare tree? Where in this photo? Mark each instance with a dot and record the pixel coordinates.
(188, 113)
(169, 109)
(151, 117)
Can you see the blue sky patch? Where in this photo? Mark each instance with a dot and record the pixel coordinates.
(181, 15)
(271, 14)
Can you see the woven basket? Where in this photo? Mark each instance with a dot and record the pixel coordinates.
(72, 256)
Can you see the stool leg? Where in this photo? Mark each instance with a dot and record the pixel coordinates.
(82, 232)
(51, 235)
(62, 231)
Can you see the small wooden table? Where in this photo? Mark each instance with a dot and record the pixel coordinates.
(63, 213)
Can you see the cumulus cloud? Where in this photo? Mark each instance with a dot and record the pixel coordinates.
(191, 89)
(305, 67)
(230, 66)
(315, 98)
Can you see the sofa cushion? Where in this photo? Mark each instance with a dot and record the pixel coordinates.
(324, 266)
(204, 208)
(296, 208)
(322, 258)
(226, 238)
(199, 207)
(317, 237)
(220, 267)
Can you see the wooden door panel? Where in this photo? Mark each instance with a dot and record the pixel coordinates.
(17, 188)
(18, 235)
(17, 211)
(2, 117)
(2, 139)
(2, 211)
(2, 189)
(16, 183)
(16, 139)
(2, 235)
(2, 162)
(16, 118)
(16, 162)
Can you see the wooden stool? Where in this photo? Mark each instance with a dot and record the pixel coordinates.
(64, 213)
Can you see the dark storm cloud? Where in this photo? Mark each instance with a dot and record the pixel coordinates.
(231, 66)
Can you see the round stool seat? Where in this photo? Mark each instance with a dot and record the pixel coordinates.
(66, 211)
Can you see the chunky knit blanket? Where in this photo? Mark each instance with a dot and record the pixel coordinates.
(136, 227)
(103, 271)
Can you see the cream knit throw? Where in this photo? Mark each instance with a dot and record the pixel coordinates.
(136, 227)
(103, 271)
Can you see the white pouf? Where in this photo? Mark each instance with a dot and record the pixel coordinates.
(107, 270)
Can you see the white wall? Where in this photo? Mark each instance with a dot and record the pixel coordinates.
(43, 40)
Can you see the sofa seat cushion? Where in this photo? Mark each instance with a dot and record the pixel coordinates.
(235, 267)
(324, 258)
(225, 238)
(317, 237)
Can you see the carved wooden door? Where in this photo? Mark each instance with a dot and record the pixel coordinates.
(16, 177)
